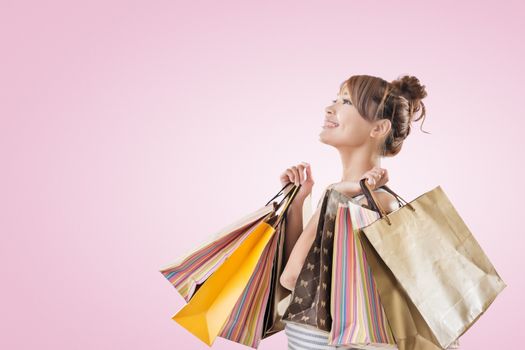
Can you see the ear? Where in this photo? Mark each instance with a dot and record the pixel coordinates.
(381, 128)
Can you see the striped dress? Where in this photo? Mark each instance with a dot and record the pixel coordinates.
(302, 337)
(305, 338)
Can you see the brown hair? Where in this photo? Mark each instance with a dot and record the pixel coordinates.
(398, 101)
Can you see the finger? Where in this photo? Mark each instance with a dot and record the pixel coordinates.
(291, 175)
(372, 175)
(296, 174)
(378, 169)
(370, 172)
(305, 166)
(284, 179)
(370, 180)
(309, 172)
(384, 180)
(300, 168)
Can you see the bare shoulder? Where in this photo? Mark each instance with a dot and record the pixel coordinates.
(386, 200)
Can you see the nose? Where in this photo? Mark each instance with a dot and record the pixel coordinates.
(329, 109)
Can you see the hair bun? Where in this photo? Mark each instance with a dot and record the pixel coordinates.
(409, 87)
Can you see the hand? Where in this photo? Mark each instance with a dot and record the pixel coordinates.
(295, 174)
(376, 177)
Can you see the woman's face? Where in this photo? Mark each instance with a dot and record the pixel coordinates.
(343, 125)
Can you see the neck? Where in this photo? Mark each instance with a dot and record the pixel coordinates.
(356, 162)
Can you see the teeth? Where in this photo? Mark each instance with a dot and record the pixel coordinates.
(330, 124)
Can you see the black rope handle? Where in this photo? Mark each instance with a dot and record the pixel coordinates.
(279, 193)
(282, 214)
(274, 219)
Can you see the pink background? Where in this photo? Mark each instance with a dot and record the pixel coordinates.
(132, 130)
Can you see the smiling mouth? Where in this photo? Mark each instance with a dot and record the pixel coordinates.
(329, 124)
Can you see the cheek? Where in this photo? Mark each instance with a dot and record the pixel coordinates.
(353, 127)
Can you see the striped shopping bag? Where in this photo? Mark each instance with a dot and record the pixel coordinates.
(226, 282)
(358, 318)
(244, 325)
(189, 271)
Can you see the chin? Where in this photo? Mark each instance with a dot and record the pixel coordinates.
(323, 139)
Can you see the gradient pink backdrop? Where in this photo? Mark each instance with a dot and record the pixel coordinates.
(132, 130)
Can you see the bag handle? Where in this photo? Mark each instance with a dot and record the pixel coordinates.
(274, 220)
(374, 203)
(294, 192)
(279, 193)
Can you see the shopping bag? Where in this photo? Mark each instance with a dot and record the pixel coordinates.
(231, 302)
(279, 297)
(189, 271)
(310, 300)
(358, 316)
(310, 303)
(243, 324)
(434, 279)
(247, 327)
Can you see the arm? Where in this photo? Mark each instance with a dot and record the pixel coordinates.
(297, 243)
(294, 228)
(298, 252)
(297, 248)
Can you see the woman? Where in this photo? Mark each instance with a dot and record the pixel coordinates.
(369, 119)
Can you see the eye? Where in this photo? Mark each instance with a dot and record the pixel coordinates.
(347, 101)
(334, 101)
